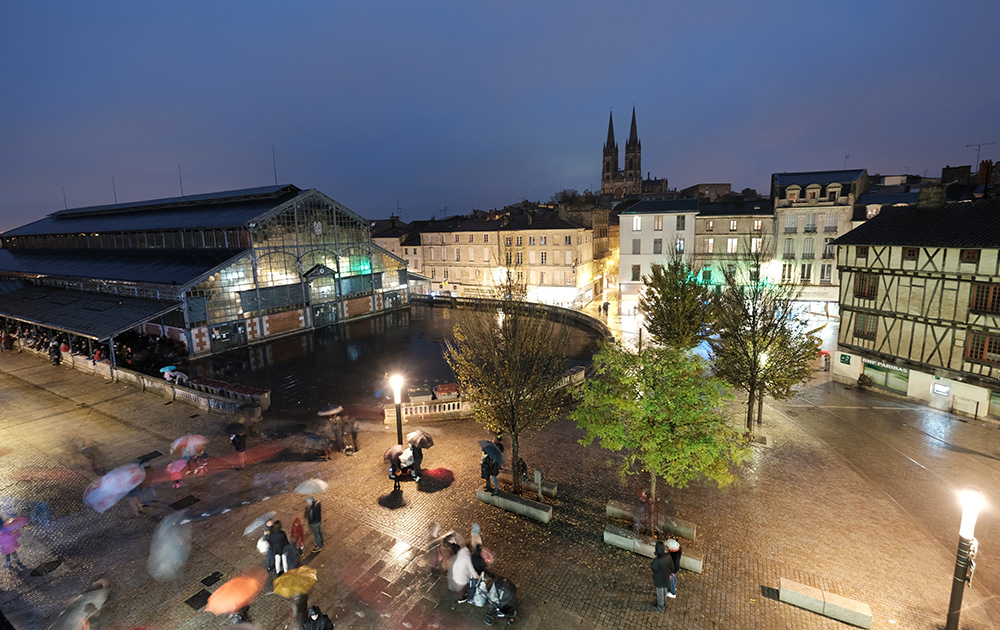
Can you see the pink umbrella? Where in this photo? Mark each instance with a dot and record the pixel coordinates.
(14, 524)
(109, 489)
(190, 445)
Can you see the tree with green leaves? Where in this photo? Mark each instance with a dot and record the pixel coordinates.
(679, 310)
(509, 359)
(762, 347)
(664, 411)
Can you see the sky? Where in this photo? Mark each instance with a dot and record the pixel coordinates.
(438, 108)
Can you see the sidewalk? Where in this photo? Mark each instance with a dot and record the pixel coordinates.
(799, 512)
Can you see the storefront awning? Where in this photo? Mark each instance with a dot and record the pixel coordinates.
(98, 316)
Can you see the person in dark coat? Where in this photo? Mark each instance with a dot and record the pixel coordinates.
(674, 549)
(240, 444)
(418, 456)
(316, 620)
(662, 566)
(489, 469)
(277, 541)
(353, 426)
(314, 516)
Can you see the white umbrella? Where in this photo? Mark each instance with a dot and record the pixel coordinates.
(312, 486)
(258, 523)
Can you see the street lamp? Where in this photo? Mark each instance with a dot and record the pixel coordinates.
(965, 564)
(396, 380)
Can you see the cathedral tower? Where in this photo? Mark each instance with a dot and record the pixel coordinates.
(610, 167)
(633, 161)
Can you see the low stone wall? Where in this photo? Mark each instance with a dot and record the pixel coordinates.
(646, 546)
(518, 505)
(665, 523)
(825, 603)
(549, 488)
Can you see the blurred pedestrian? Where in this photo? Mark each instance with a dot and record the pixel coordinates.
(489, 469)
(314, 516)
(352, 424)
(641, 514)
(278, 541)
(9, 546)
(461, 574)
(674, 549)
(264, 545)
(418, 456)
(476, 540)
(662, 566)
(146, 485)
(297, 535)
(240, 444)
(316, 620)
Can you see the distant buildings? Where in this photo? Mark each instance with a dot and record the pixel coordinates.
(214, 271)
(920, 303)
(618, 184)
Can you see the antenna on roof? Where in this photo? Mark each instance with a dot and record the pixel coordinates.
(274, 162)
(114, 188)
(65, 205)
(979, 149)
(847, 157)
(181, 179)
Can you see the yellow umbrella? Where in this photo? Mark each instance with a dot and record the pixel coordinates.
(295, 582)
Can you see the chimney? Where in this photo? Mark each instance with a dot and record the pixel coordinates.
(931, 198)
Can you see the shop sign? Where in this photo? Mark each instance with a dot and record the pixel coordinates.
(885, 366)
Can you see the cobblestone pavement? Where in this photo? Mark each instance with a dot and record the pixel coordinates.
(801, 511)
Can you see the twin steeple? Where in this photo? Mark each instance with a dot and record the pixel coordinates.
(613, 180)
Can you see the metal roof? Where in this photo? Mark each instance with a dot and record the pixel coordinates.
(963, 224)
(888, 198)
(152, 266)
(817, 177)
(98, 316)
(662, 206)
(214, 210)
(760, 207)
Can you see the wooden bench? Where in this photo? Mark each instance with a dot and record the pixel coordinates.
(646, 546)
(665, 523)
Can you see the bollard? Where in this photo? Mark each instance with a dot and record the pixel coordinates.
(538, 482)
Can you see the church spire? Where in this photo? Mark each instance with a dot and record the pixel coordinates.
(611, 132)
(633, 135)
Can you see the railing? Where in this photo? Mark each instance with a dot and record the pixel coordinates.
(828, 255)
(566, 315)
(810, 229)
(788, 255)
(791, 230)
(830, 228)
(808, 255)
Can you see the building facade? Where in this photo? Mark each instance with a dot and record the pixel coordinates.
(920, 305)
(811, 210)
(649, 232)
(725, 233)
(215, 271)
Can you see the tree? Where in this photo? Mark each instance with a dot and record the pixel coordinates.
(663, 409)
(762, 345)
(509, 361)
(680, 311)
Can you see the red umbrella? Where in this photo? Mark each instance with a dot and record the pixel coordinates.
(190, 445)
(237, 593)
(14, 524)
(109, 489)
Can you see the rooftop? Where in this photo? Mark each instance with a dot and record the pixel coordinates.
(961, 224)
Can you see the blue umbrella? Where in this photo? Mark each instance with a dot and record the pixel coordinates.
(330, 410)
(168, 368)
(492, 451)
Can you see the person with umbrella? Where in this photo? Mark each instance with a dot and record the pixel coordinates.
(277, 540)
(489, 466)
(8, 540)
(419, 440)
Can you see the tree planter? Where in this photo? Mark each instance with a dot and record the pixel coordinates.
(520, 505)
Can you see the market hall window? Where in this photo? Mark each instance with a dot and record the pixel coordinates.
(866, 286)
(983, 348)
(985, 298)
(865, 325)
(969, 255)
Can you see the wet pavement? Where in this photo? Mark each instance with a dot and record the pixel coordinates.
(810, 508)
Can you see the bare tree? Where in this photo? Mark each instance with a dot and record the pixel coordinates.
(509, 360)
(762, 345)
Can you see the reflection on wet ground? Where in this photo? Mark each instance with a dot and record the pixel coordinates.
(347, 364)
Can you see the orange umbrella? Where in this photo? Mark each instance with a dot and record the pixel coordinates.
(237, 592)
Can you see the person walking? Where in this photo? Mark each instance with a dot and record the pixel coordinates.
(674, 549)
(461, 573)
(277, 541)
(662, 566)
(489, 469)
(314, 516)
(317, 620)
(146, 485)
(240, 444)
(352, 424)
(297, 535)
(418, 456)
(9, 547)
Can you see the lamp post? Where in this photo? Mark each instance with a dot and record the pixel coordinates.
(965, 565)
(396, 380)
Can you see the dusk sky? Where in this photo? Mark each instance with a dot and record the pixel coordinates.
(443, 107)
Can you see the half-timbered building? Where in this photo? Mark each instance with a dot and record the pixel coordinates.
(920, 304)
